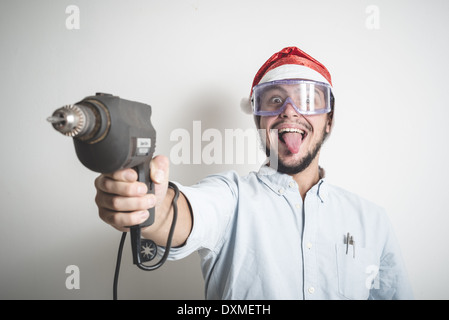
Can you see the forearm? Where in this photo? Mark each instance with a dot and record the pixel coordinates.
(159, 230)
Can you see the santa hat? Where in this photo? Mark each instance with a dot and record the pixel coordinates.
(289, 63)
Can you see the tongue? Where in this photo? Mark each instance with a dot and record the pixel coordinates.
(292, 141)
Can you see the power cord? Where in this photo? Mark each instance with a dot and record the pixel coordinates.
(138, 253)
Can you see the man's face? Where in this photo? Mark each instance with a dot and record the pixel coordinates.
(298, 138)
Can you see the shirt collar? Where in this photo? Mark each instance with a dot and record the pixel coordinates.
(281, 182)
(320, 190)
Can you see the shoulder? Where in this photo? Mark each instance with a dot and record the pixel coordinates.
(227, 182)
(353, 201)
(228, 178)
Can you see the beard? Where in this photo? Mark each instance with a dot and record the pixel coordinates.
(300, 165)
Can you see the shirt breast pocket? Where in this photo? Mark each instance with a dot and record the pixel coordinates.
(357, 270)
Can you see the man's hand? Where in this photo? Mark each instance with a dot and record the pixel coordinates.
(123, 201)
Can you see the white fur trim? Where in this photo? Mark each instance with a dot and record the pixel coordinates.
(245, 105)
(293, 71)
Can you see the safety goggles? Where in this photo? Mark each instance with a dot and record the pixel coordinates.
(307, 97)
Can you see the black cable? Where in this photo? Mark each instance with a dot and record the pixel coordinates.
(167, 247)
(117, 266)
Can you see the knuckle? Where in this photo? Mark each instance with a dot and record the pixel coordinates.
(113, 220)
(97, 199)
(115, 202)
(106, 216)
(129, 189)
(101, 199)
(97, 182)
(108, 185)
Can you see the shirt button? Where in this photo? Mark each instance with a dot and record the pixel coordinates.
(298, 206)
(292, 184)
(309, 245)
(281, 190)
(311, 290)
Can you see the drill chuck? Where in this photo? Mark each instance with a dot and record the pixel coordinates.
(72, 120)
(87, 121)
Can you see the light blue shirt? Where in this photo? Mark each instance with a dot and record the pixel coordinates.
(257, 239)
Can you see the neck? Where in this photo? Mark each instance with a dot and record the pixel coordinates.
(307, 178)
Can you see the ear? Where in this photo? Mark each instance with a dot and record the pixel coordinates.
(330, 117)
(330, 122)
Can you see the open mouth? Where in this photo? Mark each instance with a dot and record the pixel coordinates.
(292, 138)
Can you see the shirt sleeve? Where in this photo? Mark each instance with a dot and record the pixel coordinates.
(213, 201)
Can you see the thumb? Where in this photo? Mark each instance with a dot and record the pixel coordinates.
(159, 174)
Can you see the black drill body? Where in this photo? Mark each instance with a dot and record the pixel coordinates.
(110, 134)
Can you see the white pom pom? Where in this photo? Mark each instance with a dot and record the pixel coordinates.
(245, 105)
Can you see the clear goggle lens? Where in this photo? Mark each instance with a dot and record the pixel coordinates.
(307, 97)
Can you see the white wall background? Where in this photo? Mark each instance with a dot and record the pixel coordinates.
(194, 60)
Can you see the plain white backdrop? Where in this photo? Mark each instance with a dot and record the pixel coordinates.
(194, 61)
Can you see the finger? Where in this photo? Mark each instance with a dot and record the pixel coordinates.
(119, 203)
(159, 169)
(129, 189)
(122, 220)
(125, 175)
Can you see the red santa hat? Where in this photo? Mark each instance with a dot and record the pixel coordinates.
(289, 63)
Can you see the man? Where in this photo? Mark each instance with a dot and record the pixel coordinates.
(282, 232)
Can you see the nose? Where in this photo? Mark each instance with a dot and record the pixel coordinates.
(289, 111)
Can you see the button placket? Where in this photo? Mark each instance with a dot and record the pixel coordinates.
(310, 214)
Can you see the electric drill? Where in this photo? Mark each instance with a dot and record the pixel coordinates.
(110, 134)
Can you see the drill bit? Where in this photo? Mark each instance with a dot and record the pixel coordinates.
(55, 120)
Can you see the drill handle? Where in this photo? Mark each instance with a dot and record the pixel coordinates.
(143, 172)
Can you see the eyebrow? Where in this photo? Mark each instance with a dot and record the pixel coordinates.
(320, 91)
(283, 90)
(274, 87)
